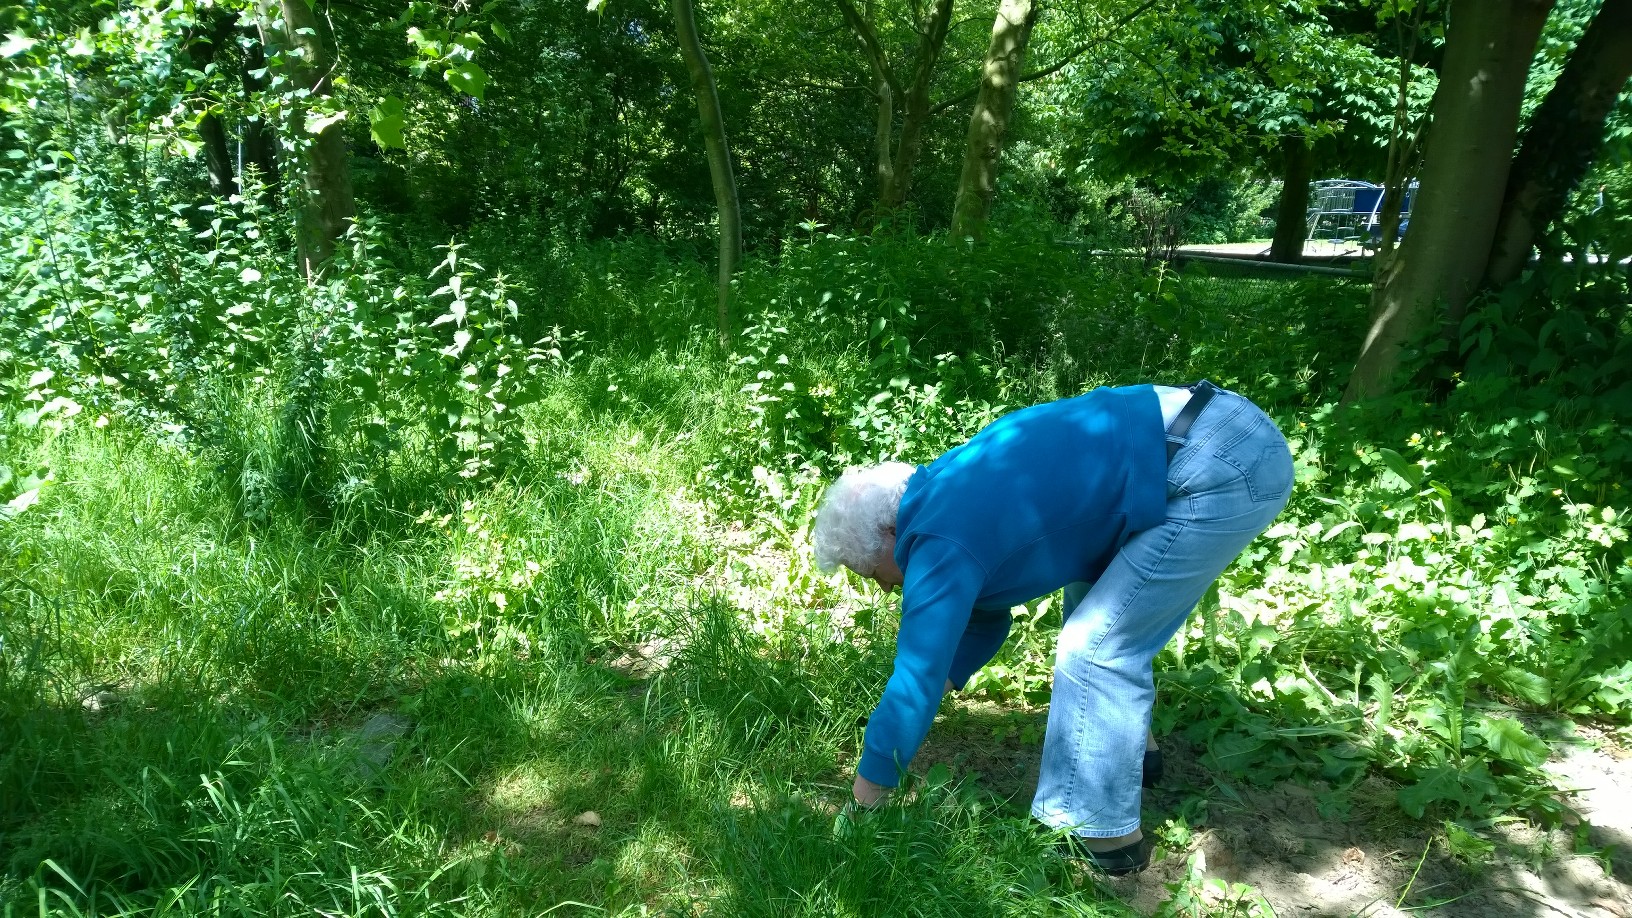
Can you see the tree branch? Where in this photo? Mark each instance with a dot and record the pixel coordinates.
(804, 83)
(869, 44)
(1059, 65)
(1107, 35)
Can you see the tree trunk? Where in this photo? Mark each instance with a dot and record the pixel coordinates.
(1404, 142)
(916, 108)
(258, 149)
(1488, 48)
(1389, 212)
(999, 85)
(328, 205)
(217, 158)
(719, 155)
(895, 171)
(1564, 136)
(1292, 213)
(884, 134)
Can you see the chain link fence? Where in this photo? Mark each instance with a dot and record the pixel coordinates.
(1233, 284)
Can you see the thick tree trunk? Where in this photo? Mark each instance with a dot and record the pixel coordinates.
(1564, 136)
(1488, 47)
(916, 107)
(719, 155)
(327, 206)
(988, 126)
(217, 156)
(1292, 213)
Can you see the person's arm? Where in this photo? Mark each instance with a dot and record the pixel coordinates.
(988, 629)
(942, 583)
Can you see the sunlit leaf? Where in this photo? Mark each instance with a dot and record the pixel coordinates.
(1413, 532)
(1338, 530)
(20, 503)
(385, 123)
(1508, 739)
(468, 77)
(16, 44)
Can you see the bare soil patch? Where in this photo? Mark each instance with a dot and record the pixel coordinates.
(1312, 852)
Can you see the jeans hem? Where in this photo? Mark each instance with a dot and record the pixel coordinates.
(1062, 824)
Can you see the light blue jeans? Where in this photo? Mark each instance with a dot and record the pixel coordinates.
(1229, 479)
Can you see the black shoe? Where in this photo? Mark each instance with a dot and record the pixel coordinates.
(1153, 768)
(1118, 862)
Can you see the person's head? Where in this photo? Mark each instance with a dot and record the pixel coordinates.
(855, 525)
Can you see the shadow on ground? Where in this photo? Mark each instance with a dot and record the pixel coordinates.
(1313, 853)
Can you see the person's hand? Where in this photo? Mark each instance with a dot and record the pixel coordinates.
(864, 797)
(868, 794)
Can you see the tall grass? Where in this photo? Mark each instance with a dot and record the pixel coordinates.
(184, 691)
(626, 622)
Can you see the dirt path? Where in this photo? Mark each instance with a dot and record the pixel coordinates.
(1311, 854)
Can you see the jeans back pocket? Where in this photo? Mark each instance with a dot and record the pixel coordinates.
(1263, 459)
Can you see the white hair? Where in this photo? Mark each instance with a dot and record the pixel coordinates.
(856, 513)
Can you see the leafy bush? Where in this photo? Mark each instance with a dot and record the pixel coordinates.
(1448, 574)
(1443, 569)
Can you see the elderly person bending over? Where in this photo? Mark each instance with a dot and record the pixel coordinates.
(1134, 500)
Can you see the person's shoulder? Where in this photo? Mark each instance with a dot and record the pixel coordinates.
(939, 550)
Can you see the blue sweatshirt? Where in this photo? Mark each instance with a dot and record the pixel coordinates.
(1040, 498)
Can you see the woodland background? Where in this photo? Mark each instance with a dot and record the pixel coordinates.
(410, 416)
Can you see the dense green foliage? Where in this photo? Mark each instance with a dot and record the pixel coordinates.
(1443, 568)
(355, 594)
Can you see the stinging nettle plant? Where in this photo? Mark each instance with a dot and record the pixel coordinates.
(480, 374)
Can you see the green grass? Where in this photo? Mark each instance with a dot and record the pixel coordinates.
(238, 633)
(237, 663)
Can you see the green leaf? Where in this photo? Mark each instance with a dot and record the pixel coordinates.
(939, 775)
(499, 31)
(1338, 530)
(467, 77)
(1413, 532)
(1527, 685)
(1508, 739)
(385, 122)
(1441, 784)
(20, 503)
(1236, 752)
(16, 44)
(1383, 692)
(1410, 474)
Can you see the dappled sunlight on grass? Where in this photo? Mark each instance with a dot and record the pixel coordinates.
(628, 623)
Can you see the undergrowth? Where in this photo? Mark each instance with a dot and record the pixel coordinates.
(565, 556)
